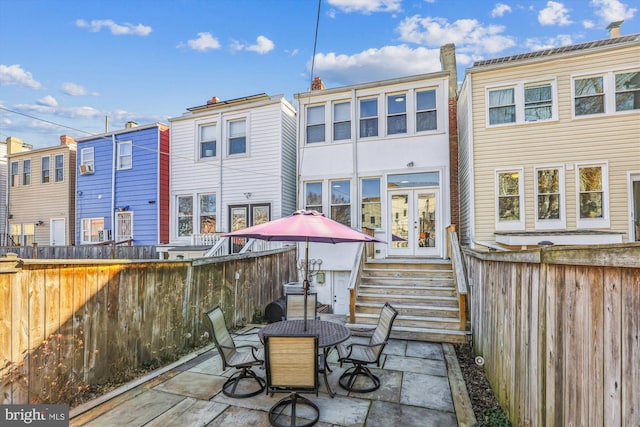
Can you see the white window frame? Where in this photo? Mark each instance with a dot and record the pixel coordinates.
(120, 237)
(337, 121)
(363, 204)
(551, 224)
(91, 222)
(15, 174)
(333, 203)
(309, 124)
(201, 213)
(48, 170)
(362, 118)
(56, 168)
(590, 223)
(609, 92)
(201, 154)
(307, 205)
(87, 158)
(178, 216)
(26, 172)
(122, 163)
(514, 225)
(519, 101)
(390, 115)
(634, 90)
(435, 108)
(239, 136)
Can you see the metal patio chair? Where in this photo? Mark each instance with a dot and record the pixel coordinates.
(361, 355)
(292, 367)
(242, 357)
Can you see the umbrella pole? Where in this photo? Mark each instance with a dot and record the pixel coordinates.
(305, 283)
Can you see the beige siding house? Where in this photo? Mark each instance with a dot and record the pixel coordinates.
(41, 189)
(550, 146)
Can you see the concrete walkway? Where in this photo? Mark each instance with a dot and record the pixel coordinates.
(419, 383)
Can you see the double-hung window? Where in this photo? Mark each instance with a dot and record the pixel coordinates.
(550, 198)
(207, 213)
(538, 102)
(46, 169)
(26, 172)
(315, 124)
(396, 114)
(426, 113)
(237, 137)
(371, 203)
(522, 102)
(368, 117)
(185, 216)
(14, 174)
(628, 91)
(589, 96)
(87, 160)
(313, 196)
(59, 167)
(341, 121)
(510, 200)
(341, 202)
(207, 137)
(502, 106)
(125, 155)
(592, 195)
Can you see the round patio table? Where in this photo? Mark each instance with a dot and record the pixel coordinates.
(329, 334)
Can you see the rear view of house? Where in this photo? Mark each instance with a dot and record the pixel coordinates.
(123, 186)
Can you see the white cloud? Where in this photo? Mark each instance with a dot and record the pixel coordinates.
(554, 14)
(69, 112)
(263, 45)
(48, 101)
(376, 64)
(500, 9)
(15, 75)
(204, 42)
(469, 36)
(535, 44)
(588, 24)
(366, 6)
(73, 89)
(116, 29)
(613, 10)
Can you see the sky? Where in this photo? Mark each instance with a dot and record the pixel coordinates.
(68, 65)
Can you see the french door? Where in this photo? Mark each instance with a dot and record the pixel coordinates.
(414, 223)
(243, 216)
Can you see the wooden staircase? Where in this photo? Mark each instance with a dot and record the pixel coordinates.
(422, 290)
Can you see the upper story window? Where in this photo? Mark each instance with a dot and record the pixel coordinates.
(371, 203)
(207, 213)
(14, 174)
(26, 172)
(59, 167)
(396, 114)
(313, 196)
(589, 96)
(315, 124)
(368, 117)
(125, 155)
(45, 169)
(628, 91)
(426, 113)
(86, 161)
(592, 196)
(341, 202)
(550, 198)
(185, 216)
(510, 200)
(208, 141)
(237, 137)
(341, 121)
(524, 102)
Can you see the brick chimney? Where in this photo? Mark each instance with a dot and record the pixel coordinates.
(448, 63)
(317, 84)
(213, 100)
(614, 29)
(67, 140)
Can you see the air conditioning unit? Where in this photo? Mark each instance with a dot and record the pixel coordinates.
(86, 169)
(104, 235)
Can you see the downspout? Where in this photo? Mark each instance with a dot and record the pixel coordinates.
(356, 184)
(220, 202)
(113, 186)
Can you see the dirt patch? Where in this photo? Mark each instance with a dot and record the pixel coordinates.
(485, 405)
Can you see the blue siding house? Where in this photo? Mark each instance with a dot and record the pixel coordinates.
(122, 192)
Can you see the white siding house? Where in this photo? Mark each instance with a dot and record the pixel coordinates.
(376, 156)
(233, 164)
(550, 146)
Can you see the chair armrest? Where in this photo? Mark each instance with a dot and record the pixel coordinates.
(253, 348)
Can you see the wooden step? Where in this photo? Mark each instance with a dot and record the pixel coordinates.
(400, 280)
(448, 291)
(417, 334)
(413, 321)
(436, 301)
(406, 272)
(425, 310)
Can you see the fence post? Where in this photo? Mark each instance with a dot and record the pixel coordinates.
(10, 263)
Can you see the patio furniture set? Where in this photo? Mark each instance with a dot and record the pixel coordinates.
(292, 358)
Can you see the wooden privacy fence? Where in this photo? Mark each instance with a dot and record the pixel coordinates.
(82, 252)
(68, 324)
(559, 331)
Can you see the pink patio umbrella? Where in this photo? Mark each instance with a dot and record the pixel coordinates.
(304, 226)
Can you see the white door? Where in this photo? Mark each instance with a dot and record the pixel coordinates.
(58, 232)
(634, 235)
(340, 281)
(414, 222)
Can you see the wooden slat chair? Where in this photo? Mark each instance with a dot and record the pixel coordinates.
(295, 306)
(361, 355)
(291, 364)
(242, 357)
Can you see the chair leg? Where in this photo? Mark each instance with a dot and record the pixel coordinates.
(245, 374)
(349, 377)
(292, 401)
